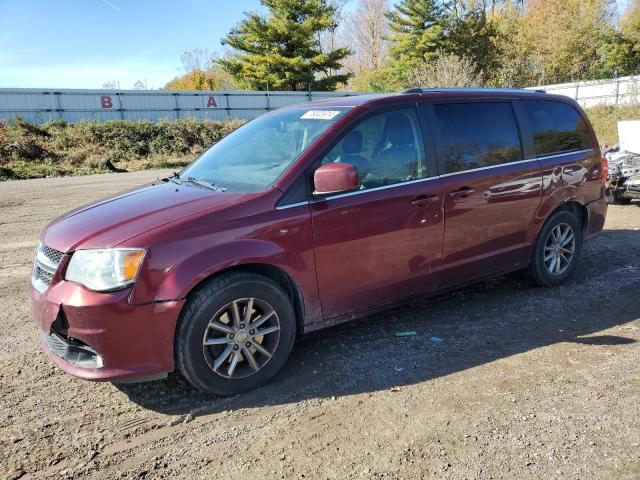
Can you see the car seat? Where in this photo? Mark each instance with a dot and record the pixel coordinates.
(398, 160)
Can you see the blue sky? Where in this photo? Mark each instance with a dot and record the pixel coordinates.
(85, 43)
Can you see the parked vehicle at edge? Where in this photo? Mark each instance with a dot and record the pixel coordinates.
(623, 164)
(313, 215)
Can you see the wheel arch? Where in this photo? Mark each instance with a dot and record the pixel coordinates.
(274, 273)
(580, 211)
(567, 199)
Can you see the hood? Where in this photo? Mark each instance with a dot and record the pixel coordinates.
(110, 222)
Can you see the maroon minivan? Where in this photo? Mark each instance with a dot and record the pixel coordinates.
(313, 215)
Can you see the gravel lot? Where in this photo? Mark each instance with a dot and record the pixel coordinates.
(528, 383)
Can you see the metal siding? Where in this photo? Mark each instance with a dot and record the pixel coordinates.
(73, 105)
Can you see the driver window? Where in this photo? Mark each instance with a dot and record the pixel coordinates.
(385, 149)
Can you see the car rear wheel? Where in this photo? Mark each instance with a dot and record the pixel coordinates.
(557, 250)
(235, 334)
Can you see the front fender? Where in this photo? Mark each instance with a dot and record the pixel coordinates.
(175, 282)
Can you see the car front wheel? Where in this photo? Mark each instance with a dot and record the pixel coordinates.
(235, 334)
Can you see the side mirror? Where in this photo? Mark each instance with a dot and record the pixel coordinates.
(333, 178)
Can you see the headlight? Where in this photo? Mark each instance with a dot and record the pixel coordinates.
(105, 269)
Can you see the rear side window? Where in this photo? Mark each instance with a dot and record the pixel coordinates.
(557, 127)
(475, 135)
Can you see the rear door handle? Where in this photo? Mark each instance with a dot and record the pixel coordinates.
(424, 200)
(463, 192)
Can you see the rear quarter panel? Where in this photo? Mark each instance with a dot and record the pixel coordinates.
(569, 177)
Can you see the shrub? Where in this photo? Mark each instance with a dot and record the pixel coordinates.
(60, 148)
(605, 120)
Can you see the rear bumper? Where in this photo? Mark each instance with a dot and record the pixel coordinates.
(101, 336)
(632, 193)
(596, 215)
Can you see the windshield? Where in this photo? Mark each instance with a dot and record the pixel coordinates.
(253, 157)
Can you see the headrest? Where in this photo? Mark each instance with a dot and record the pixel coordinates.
(352, 143)
(399, 129)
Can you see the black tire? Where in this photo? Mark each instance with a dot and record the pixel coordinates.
(622, 200)
(203, 305)
(538, 271)
(615, 199)
(609, 196)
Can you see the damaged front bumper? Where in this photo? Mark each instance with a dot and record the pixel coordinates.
(102, 336)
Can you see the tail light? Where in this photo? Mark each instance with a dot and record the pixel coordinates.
(604, 170)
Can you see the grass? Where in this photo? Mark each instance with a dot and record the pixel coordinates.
(605, 120)
(59, 148)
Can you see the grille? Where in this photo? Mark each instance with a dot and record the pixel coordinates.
(45, 266)
(57, 345)
(72, 351)
(44, 276)
(53, 255)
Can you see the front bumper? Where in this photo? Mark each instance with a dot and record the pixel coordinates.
(127, 341)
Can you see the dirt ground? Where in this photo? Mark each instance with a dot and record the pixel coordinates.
(528, 382)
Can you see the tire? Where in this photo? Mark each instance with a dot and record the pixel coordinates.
(622, 200)
(205, 365)
(610, 196)
(540, 269)
(615, 199)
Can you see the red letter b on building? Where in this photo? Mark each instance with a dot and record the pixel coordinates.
(105, 101)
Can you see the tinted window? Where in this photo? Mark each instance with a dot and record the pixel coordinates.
(557, 127)
(475, 135)
(385, 149)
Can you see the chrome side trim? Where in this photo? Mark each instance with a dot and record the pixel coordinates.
(291, 205)
(384, 187)
(358, 192)
(489, 167)
(555, 155)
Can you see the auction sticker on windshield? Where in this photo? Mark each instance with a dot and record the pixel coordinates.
(319, 114)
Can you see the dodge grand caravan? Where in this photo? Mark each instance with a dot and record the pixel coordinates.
(312, 215)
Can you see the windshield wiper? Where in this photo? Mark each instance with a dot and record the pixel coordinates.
(204, 183)
(173, 178)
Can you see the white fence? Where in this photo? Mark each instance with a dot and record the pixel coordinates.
(617, 91)
(39, 106)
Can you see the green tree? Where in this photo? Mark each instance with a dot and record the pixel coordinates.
(417, 30)
(623, 47)
(215, 78)
(472, 36)
(564, 39)
(282, 51)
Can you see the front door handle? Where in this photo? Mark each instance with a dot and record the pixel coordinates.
(463, 192)
(424, 200)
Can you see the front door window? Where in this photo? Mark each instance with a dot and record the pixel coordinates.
(385, 149)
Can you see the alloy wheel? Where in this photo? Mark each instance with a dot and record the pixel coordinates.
(241, 338)
(559, 248)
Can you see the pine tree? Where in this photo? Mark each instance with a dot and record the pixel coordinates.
(282, 50)
(418, 29)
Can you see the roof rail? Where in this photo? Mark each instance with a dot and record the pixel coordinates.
(470, 89)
